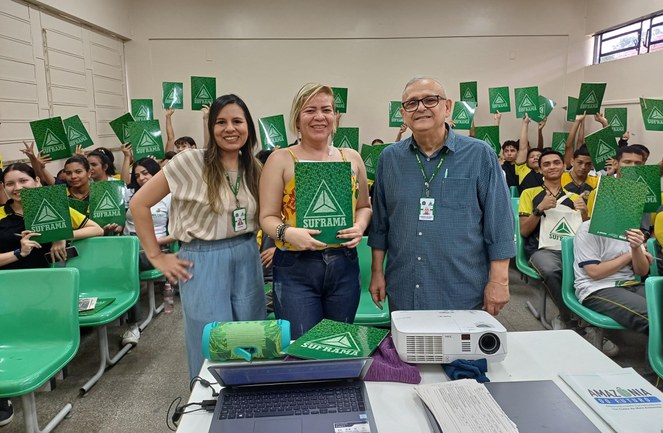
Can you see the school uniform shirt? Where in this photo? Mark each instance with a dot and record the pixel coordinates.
(527, 178)
(510, 174)
(569, 184)
(12, 223)
(159, 213)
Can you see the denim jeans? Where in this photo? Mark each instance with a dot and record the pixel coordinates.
(226, 286)
(313, 285)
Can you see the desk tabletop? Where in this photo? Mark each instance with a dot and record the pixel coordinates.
(533, 355)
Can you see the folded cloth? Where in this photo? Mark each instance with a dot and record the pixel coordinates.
(466, 369)
(388, 367)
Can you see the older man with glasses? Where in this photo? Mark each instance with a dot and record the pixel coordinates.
(441, 214)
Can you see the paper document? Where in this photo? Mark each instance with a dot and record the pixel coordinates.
(465, 406)
(623, 399)
(85, 304)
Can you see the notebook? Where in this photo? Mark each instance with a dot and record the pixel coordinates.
(312, 396)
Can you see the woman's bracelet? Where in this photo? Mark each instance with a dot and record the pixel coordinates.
(280, 231)
(497, 282)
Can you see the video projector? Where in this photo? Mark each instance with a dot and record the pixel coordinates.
(440, 337)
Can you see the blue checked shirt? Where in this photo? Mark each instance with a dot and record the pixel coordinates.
(441, 264)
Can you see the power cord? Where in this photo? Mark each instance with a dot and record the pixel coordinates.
(172, 422)
(204, 383)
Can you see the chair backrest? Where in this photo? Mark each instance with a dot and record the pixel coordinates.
(521, 258)
(569, 291)
(109, 262)
(365, 258)
(514, 192)
(39, 305)
(652, 248)
(654, 290)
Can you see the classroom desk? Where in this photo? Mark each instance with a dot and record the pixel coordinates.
(534, 355)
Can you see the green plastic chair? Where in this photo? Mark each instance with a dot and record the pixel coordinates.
(40, 334)
(514, 192)
(654, 291)
(569, 295)
(652, 248)
(108, 268)
(368, 313)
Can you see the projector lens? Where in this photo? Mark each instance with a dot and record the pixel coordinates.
(489, 343)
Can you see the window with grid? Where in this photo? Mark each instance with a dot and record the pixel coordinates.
(641, 37)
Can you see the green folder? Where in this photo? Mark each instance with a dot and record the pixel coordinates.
(590, 98)
(107, 203)
(463, 114)
(272, 132)
(652, 113)
(618, 206)
(203, 91)
(650, 176)
(499, 99)
(172, 95)
(602, 146)
(145, 138)
(370, 153)
(559, 141)
(489, 134)
(51, 138)
(571, 109)
(341, 99)
(347, 137)
(395, 116)
(468, 91)
(81, 206)
(77, 135)
(616, 118)
(331, 340)
(324, 198)
(546, 106)
(120, 127)
(142, 109)
(46, 211)
(527, 101)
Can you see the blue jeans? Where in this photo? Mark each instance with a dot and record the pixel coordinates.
(313, 285)
(226, 286)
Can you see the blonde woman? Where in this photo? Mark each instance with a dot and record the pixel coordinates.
(312, 280)
(214, 211)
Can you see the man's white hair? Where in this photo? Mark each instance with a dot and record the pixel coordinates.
(423, 78)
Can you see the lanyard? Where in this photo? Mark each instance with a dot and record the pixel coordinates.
(234, 190)
(429, 180)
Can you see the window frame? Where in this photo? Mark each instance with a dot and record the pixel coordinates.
(643, 45)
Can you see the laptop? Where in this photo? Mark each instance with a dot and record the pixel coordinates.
(313, 396)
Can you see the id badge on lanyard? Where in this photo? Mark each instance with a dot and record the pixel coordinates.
(427, 203)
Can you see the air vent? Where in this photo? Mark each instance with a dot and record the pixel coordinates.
(466, 346)
(424, 348)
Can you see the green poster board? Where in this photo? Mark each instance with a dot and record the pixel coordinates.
(341, 99)
(272, 132)
(77, 135)
(489, 134)
(590, 98)
(468, 91)
(145, 138)
(500, 100)
(142, 109)
(82, 206)
(618, 207)
(527, 101)
(46, 211)
(370, 153)
(203, 91)
(649, 175)
(172, 95)
(347, 137)
(602, 146)
(546, 106)
(616, 118)
(51, 138)
(652, 113)
(463, 114)
(120, 127)
(559, 141)
(324, 198)
(571, 109)
(332, 340)
(395, 116)
(107, 203)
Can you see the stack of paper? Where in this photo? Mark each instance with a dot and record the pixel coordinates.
(465, 406)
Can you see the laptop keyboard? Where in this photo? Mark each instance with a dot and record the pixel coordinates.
(238, 404)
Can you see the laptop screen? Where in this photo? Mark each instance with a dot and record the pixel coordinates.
(291, 371)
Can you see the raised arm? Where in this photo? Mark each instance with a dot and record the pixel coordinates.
(38, 163)
(471, 134)
(569, 149)
(600, 118)
(523, 145)
(126, 163)
(540, 128)
(401, 131)
(205, 111)
(170, 133)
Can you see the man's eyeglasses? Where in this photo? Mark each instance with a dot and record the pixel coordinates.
(428, 101)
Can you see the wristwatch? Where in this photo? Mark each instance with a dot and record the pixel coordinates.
(539, 212)
(17, 253)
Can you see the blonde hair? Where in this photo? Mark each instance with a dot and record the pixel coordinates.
(308, 91)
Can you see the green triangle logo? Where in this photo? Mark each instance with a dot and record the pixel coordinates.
(74, 135)
(526, 104)
(344, 142)
(655, 114)
(338, 100)
(462, 116)
(203, 93)
(50, 139)
(590, 100)
(468, 95)
(274, 134)
(146, 140)
(47, 214)
(106, 203)
(143, 112)
(650, 192)
(562, 228)
(488, 140)
(324, 204)
(603, 149)
(125, 132)
(396, 116)
(560, 146)
(339, 341)
(499, 100)
(368, 162)
(173, 96)
(616, 123)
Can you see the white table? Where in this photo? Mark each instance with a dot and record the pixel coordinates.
(535, 355)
